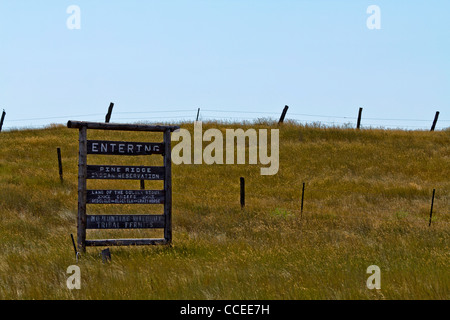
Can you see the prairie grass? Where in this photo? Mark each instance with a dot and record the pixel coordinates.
(367, 202)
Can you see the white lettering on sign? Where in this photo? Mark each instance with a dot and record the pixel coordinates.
(125, 196)
(115, 147)
(125, 172)
(125, 221)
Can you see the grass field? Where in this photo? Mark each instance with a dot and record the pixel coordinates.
(367, 202)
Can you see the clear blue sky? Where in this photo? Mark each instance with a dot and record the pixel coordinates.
(147, 57)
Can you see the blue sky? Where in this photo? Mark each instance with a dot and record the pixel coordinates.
(241, 59)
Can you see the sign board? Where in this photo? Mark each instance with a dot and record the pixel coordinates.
(115, 172)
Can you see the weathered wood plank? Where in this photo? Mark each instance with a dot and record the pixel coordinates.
(125, 221)
(125, 172)
(125, 196)
(124, 242)
(119, 126)
(124, 148)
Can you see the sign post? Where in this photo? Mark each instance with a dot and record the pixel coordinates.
(142, 173)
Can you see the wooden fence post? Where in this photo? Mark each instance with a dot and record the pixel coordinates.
(167, 187)
(358, 124)
(242, 180)
(58, 150)
(283, 114)
(431, 211)
(1, 121)
(303, 197)
(82, 176)
(108, 115)
(435, 121)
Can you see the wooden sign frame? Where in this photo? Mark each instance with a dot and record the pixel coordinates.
(86, 171)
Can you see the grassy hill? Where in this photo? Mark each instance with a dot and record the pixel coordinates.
(367, 202)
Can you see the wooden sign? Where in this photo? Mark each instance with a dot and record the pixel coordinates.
(125, 172)
(125, 196)
(119, 221)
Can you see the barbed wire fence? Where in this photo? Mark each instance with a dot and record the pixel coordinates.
(191, 115)
(230, 115)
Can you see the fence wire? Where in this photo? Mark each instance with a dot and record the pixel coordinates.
(227, 115)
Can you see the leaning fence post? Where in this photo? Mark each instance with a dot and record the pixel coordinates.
(198, 112)
(283, 114)
(108, 115)
(358, 124)
(435, 121)
(431, 211)
(74, 247)
(3, 118)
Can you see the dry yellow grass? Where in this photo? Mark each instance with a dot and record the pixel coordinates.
(367, 202)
